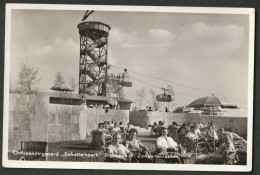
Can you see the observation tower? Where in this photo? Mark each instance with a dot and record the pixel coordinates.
(93, 64)
(93, 57)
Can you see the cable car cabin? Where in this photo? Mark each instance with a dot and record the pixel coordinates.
(164, 98)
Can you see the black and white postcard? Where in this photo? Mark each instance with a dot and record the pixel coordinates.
(128, 87)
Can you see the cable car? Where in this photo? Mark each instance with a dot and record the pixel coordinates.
(164, 97)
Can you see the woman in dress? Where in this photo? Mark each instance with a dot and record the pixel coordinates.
(139, 150)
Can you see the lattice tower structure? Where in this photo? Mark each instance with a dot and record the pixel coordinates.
(93, 64)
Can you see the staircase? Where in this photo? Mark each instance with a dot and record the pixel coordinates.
(97, 61)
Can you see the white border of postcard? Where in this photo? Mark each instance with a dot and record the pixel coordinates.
(129, 166)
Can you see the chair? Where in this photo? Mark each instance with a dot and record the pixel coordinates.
(238, 143)
(98, 139)
(154, 130)
(159, 154)
(175, 137)
(240, 156)
(34, 147)
(122, 129)
(197, 146)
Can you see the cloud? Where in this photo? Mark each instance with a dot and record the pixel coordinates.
(117, 35)
(139, 39)
(59, 47)
(161, 34)
(58, 55)
(221, 38)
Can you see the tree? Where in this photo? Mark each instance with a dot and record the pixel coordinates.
(154, 103)
(27, 77)
(140, 96)
(59, 79)
(72, 83)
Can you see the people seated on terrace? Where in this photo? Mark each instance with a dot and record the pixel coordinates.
(211, 134)
(166, 146)
(200, 125)
(165, 143)
(160, 127)
(197, 130)
(185, 127)
(106, 127)
(122, 127)
(115, 128)
(173, 128)
(222, 155)
(154, 129)
(91, 106)
(139, 150)
(128, 128)
(99, 137)
(102, 129)
(192, 134)
(195, 137)
(182, 136)
(220, 139)
(111, 124)
(188, 124)
(117, 152)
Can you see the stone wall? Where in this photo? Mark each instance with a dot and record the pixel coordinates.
(33, 118)
(91, 118)
(27, 119)
(63, 123)
(145, 118)
(67, 122)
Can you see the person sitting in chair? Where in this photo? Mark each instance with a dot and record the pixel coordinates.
(117, 152)
(98, 137)
(192, 134)
(121, 125)
(222, 155)
(128, 128)
(211, 133)
(102, 129)
(154, 129)
(165, 146)
(173, 128)
(165, 143)
(195, 137)
(115, 128)
(135, 146)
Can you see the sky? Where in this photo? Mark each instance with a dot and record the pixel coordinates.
(202, 51)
